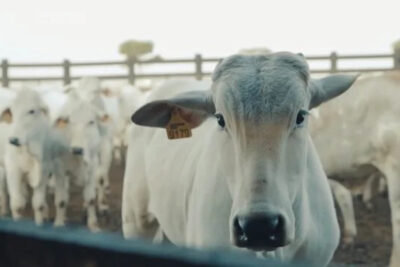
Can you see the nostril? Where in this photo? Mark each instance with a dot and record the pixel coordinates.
(14, 141)
(238, 227)
(239, 233)
(272, 223)
(77, 151)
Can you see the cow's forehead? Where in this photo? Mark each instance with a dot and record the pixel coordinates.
(253, 86)
(27, 98)
(82, 113)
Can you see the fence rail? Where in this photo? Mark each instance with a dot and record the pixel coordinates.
(132, 75)
(22, 243)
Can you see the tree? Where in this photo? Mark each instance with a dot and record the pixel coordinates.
(396, 45)
(255, 51)
(133, 49)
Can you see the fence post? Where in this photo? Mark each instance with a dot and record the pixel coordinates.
(396, 56)
(198, 61)
(4, 75)
(67, 73)
(333, 58)
(131, 70)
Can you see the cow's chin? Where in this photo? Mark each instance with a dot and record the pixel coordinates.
(256, 247)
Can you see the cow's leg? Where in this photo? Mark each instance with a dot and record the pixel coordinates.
(136, 219)
(3, 193)
(103, 187)
(89, 197)
(160, 237)
(16, 190)
(368, 189)
(102, 192)
(40, 208)
(117, 150)
(103, 180)
(382, 185)
(393, 183)
(61, 198)
(39, 204)
(344, 199)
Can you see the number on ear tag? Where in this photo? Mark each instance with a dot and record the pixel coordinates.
(177, 127)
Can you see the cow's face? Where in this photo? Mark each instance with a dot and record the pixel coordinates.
(82, 128)
(28, 109)
(261, 104)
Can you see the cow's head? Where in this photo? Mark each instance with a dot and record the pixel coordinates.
(28, 108)
(81, 124)
(261, 105)
(28, 114)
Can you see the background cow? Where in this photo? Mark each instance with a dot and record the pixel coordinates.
(364, 125)
(34, 153)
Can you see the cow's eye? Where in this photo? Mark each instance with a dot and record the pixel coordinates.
(301, 117)
(220, 120)
(91, 122)
(31, 111)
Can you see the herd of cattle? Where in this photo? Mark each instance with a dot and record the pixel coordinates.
(249, 167)
(51, 137)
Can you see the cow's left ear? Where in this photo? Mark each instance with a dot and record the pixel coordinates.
(193, 107)
(6, 116)
(327, 88)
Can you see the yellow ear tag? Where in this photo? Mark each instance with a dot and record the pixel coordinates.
(177, 127)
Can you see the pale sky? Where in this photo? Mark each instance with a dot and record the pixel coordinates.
(51, 30)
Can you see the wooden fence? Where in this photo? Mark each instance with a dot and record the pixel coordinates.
(198, 61)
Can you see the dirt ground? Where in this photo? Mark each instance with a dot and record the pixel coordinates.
(372, 246)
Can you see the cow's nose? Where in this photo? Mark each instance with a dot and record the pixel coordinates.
(14, 141)
(77, 151)
(260, 232)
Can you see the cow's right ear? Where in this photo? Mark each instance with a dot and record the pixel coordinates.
(193, 107)
(61, 122)
(6, 116)
(106, 92)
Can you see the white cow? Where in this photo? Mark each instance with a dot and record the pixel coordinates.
(79, 121)
(357, 135)
(249, 177)
(6, 99)
(107, 113)
(33, 154)
(88, 90)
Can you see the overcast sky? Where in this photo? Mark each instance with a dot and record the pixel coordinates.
(50, 30)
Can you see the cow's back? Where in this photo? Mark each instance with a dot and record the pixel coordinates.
(347, 131)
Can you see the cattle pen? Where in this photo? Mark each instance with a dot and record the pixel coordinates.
(24, 244)
(332, 63)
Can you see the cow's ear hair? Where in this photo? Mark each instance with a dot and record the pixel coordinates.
(193, 107)
(45, 111)
(6, 116)
(104, 118)
(61, 122)
(106, 92)
(327, 88)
